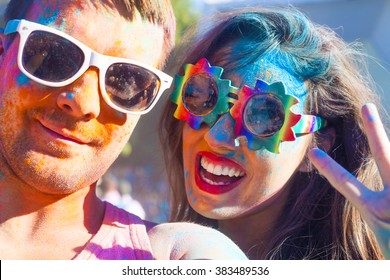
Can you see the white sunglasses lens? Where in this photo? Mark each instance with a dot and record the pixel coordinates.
(131, 87)
(50, 57)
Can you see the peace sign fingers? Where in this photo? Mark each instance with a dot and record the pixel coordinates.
(378, 141)
(374, 206)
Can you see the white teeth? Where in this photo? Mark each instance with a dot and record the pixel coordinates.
(210, 168)
(212, 182)
(232, 172)
(225, 171)
(219, 170)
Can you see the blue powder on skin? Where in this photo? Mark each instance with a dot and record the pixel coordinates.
(318, 153)
(267, 191)
(229, 155)
(49, 17)
(223, 130)
(371, 118)
(22, 79)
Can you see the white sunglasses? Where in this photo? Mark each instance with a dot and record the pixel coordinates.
(53, 58)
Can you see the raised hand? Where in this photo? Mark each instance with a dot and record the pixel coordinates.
(374, 206)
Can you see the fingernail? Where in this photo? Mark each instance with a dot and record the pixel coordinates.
(370, 112)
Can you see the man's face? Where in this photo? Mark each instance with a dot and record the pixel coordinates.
(58, 140)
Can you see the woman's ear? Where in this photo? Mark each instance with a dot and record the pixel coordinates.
(326, 139)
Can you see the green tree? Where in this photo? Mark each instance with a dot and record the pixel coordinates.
(186, 16)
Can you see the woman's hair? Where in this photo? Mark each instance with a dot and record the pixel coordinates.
(158, 12)
(317, 221)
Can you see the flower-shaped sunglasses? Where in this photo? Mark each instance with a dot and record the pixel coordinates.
(262, 114)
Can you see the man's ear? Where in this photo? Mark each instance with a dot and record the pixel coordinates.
(325, 141)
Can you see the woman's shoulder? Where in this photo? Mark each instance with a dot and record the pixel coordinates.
(191, 241)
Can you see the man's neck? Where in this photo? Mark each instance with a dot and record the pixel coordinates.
(40, 220)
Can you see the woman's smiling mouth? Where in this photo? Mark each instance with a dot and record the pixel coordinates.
(215, 174)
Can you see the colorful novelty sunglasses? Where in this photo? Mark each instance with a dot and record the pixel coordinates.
(53, 58)
(262, 114)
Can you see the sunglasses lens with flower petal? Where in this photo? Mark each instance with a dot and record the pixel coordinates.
(264, 115)
(200, 94)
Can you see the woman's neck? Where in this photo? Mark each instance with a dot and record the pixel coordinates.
(253, 231)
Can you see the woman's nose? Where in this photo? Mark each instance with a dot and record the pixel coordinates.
(221, 135)
(81, 99)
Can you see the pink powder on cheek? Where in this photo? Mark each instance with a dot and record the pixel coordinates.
(9, 62)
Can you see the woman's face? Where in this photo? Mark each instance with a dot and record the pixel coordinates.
(225, 181)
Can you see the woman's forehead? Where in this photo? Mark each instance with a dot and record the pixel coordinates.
(269, 67)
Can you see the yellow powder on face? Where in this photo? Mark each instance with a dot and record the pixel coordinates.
(41, 163)
(117, 50)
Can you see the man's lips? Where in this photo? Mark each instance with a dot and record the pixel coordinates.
(217, 175)
(64, 134)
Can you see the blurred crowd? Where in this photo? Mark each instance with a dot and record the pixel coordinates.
(137, 189)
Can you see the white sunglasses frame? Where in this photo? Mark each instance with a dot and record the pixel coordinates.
(92, 58)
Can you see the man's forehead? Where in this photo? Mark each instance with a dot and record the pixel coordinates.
(102, 28)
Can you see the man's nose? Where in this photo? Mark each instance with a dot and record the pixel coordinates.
(81, 99)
